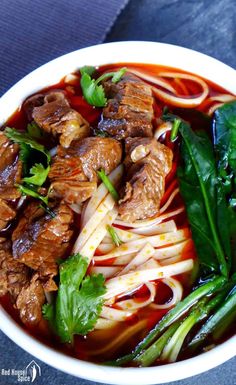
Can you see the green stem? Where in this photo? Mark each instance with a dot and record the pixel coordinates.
(151, 354)
(174, 314)
(212, 323)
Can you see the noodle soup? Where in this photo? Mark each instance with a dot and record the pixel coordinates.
(123, 277)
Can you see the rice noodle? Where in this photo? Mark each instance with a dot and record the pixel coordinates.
(121, 284)
(166, 227)
(177, 291)
(169, 201)
(132, 304)
(149, 222)
(154, 79)
(124, 235)
(103, 323)
(154, 240)
(178, 101)
(120, 340)
(162, 129)
(145, 253)
(224, 98)
(171, 251)
(100, 194)
(115, 314)
(89, 247)
(106, 205)
(107, 271)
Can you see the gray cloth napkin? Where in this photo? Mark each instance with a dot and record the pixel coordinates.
(32, 32)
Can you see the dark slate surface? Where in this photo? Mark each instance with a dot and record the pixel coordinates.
(28, 39)
(204, 25)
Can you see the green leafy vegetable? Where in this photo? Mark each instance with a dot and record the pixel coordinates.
(29, 150)
(25, 139)
(198, 185)
(105, 179)
(224, 136)
(34, 130)
(32, 192)
(79, 300)
(39, 175)
(93, 92)
(114, 236)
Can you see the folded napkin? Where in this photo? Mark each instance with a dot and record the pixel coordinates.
(32, 32)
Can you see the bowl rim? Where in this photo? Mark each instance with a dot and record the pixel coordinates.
(49, 74)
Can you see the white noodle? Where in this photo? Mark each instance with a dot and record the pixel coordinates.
(90, 246)
(120, 339)
(149, 222)
(145, 253)
(177, 291)
(154, 79)
(165, 227)
(131, 304)
(154, 240)
(101, 193)
(186, 102)
(162, 129)
(106, 205)
(169, 201)
(116, 286)
(107, 271)
(103, 323)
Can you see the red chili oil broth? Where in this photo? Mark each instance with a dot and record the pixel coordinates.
(97, 339)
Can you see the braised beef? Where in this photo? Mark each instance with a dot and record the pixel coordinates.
(13, 274)
(55, 116)
(30, 300)
(39, 240)
(129, 111)
(147, 163)
(10, 175)
(74, 170)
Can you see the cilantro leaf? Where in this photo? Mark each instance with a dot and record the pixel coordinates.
(39, 175)
(34, 130)
(79, 300)
(32, 192)
(93, 92)
(23, 138)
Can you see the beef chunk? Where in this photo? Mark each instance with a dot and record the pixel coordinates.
(26, 292)
(30, 300)
(55, 116)
(10, 174)
(13, 274)
(129, 110)
(74, 170)
(39, 240)
(147, 164)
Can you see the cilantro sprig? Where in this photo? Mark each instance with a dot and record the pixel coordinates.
(79, 300)
(93, 91)
(36, 175)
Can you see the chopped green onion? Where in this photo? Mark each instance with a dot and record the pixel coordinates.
(105, 179)
(175, 129)
(114, 236)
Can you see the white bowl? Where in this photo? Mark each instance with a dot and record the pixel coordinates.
(51, 73)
